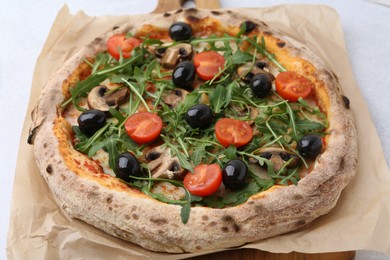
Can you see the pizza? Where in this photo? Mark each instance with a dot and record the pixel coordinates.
(194, 130)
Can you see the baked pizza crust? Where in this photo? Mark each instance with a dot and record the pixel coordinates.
(108, 204)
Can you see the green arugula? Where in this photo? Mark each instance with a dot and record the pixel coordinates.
(278, 122)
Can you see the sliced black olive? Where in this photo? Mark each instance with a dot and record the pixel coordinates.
(91, 120)
(310, 146)
(249, 26)
(180, 31)
(261, 85)
(234, 174)
(126, 166)
(199, 116)
(184, 74)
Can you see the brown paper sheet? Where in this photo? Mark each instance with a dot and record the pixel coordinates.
(361, 219)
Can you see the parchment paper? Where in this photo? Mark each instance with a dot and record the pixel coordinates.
(361, 219)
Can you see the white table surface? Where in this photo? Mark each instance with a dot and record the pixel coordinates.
(24, 26)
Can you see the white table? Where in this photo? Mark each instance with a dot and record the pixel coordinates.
(25, 25)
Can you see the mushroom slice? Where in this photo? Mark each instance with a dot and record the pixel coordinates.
(168, 190)
(98, 99)
(175, 97)
(162, 165)
(175, 54)
(248, 70)
(279, 157)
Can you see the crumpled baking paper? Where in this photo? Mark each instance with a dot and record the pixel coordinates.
(360, 220)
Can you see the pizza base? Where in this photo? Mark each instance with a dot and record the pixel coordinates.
(108, 204)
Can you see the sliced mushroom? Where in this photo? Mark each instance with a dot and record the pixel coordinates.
(162, 165)
(248, 70)
(174, 54)
(98, 99)
(279, 157)
(168, 190)
(175, 97)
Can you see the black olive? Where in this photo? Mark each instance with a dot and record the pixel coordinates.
(126, 166)
(234, 174)
(249, 26)
(310, 146)
(91, 120)
(184, 74)
(261, 85)
(180, 31)
(199, 116)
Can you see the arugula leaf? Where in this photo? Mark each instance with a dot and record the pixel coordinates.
(230, 152)
(83, 87)
(113, 153)
(220, 98)
(240, 57)
(305, 126)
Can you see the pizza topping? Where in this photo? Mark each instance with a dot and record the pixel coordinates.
(180, 31)
(199, 116)
(162, 164)
(292, 86)
(248, 70)
(102, 99)
(218, 120)
(183, 75)
(208, 64)
(175, 97)
(261, 85)
(231, 131)
(310, 146)
(127, 166)
(118, 45)
(143, 127)
(91, 121)
(279, 158)
(235, 174)
(204, 181)
(176, 53)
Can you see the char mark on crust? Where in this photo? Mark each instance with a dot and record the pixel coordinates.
(115, 27)
(281, 44)
(346, 102)
(49, 169)
(32, 134)
(159, 221)
(342, 163)
(216, 12)
(166, 14)
(191, 10)
(229, 220)
(300, 223)
(179, 11)
(193, 19)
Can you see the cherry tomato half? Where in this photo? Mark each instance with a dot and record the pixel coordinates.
(233, 131)
(120, 42)
(204, 181)
(143, 127)
(291, 86)
(208, 64)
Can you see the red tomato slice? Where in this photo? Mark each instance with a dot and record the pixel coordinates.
(205, 180)
(233, 131)
(291, 86)
(119, 42)
(208, 64)
(143, 127)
